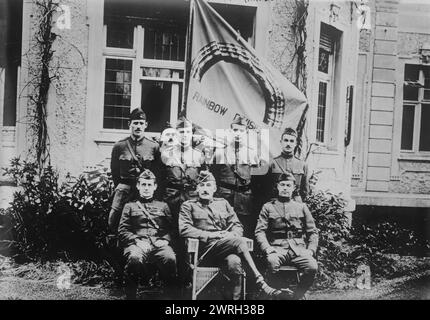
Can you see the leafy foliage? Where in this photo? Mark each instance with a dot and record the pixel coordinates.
(328, 210)
(342, 248)
(50, 220)
(389, 237)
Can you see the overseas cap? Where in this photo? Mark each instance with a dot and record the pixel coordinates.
(183, 123)
(137, 114)
(204, 176)
(147, 175)
(289, 131)
(286, 177)
(239, 121)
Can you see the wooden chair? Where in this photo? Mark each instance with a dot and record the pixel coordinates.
(203, 276)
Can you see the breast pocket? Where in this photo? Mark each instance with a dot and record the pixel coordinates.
(276, 223)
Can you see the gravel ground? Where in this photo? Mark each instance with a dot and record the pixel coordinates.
(33, 282)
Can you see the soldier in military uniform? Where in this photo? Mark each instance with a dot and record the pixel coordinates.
(129, 157)
(146, 231)
(214, 222)
(288, 162)
(232, 170)
(287, 235)
(182, 164)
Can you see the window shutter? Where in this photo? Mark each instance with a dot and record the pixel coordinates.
(326, 41)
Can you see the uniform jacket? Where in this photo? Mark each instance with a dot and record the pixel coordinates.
(181, 165)
(282, 164)
(286, 224)
(228, 160)
(181, 170)
(135, 224)
(146, 150)
(198, 220)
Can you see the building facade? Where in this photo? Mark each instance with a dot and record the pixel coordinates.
(110, 56)
(391, 149)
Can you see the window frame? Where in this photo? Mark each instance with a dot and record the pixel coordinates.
(136, 56)
(328, 78)
(136, 53)
(417, 113)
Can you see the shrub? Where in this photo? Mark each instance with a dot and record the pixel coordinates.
(389, 237)
(50, 220)
(331, 219)
(342, 249)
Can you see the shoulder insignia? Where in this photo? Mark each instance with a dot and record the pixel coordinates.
(152, 139)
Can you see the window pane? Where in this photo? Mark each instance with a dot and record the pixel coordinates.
(323, 60)
(410, 92)
(426, 77)
(163, 43)
(412, 72)
(321, 114)
(117, 93)
(407, 127)
(156, 100)
(120, 34)
(425, 128)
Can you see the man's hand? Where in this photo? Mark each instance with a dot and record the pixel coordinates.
(270, 250)
(308, 252)
(144, 245)
(161, 243)
(219, 234)
(313, 180)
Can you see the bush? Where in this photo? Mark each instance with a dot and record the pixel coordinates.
(331, 219)
(389, 237)
(342, 249)
(49, 220)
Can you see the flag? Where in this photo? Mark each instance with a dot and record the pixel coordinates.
(227, 79)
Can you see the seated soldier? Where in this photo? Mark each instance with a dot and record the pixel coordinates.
(214, 222)
(145, 232)
(281, 228)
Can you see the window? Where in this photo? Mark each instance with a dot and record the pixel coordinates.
(117, 93)
(329, 38)
(321, 112)
(145, 53)
(416, 109)
(10, 58)
(164, 43)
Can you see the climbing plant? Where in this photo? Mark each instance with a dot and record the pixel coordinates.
(48, 53)
(40, 79)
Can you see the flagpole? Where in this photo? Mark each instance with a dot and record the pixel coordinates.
(187, 60)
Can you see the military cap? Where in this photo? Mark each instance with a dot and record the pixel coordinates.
(286, 177)
(289, 131)
(183, 123)
(204, 176)
(239, 121)
(137, 114)
(147, 175)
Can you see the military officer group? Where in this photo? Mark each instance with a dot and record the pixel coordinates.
(166, 194)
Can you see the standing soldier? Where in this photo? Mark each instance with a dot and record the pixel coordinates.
(286, 234)
(288, 162)
(129, 157)
(182, 165)
(232, 170)
(214, 222)
(146, 231)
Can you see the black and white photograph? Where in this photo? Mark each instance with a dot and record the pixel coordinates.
(215, 150)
